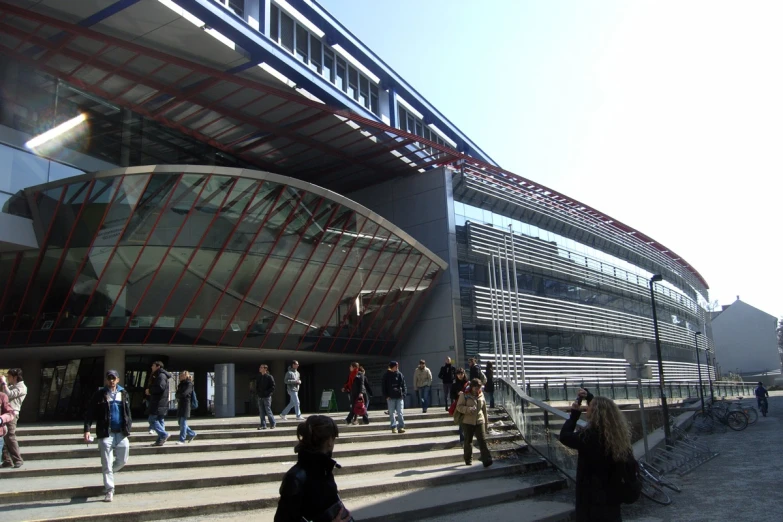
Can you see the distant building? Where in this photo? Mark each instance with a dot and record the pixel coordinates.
(746, 341)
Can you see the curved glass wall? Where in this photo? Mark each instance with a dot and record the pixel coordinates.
(209, 256)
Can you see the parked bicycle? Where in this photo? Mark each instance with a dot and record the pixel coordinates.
(718, 415)
(653, 483)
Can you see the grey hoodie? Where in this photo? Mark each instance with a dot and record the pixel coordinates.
(291, 380)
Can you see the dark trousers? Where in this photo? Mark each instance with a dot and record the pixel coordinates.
(478, 430)
(11, 453)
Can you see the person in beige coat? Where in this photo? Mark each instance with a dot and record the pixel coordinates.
(422, 385)
(474, 421)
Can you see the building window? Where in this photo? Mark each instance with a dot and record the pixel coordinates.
(409, 122)
(317, 55)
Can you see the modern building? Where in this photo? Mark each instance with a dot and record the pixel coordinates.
(218, 181)
(746, 342)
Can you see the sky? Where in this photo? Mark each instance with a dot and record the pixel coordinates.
(665, 115)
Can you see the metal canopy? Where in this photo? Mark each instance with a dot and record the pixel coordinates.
(248, 113)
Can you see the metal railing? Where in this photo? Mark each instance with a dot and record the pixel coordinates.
(539, 423)
(566, 391)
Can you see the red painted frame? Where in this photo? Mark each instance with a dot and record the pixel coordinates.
(414, 312)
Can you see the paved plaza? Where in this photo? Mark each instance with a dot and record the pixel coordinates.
(741, 484)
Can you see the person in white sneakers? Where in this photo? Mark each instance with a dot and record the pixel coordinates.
(110, 408)
(292, 382)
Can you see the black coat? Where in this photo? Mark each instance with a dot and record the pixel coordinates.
(98, 411)
(456, 387)
(359, 387)
(448, 374)
(184, 393)
(265, 385)
(475, 372)
(308, 489)
(159, 393)
(393, 385)
(597, 475)
(490, 386)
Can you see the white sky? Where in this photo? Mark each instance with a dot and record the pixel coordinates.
(665, 115)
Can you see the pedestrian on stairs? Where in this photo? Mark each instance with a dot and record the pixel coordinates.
(394, 390)
(16, 391)
(292, 382)
(110, 408)
(6, 416)
(458, 386)
(447, 375)
(605, 442)
(358, 391)
(474, 421)
(159, 401)
(184, 398)
(265, 388)
(309, 491)
(422, 385)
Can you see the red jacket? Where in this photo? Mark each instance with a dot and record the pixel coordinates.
(6, 413)
(349, 383)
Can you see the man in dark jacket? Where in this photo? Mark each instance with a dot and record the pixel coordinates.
(265, 388)
(159, 401)
(110, 408)
(394, 390)
(447, 375)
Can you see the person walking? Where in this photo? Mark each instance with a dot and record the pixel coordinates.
(457, 387)
(447, 374)
(394, 390)
(489, 387)
(6, 414)
(109, 407)
(422, 385)
(159, 401)
(16, 391)
(358, 391)
(308, 490)
(265, 388)
(475, 371)
(184, 398)
(474, 421)
(292, 382)
(602, 447)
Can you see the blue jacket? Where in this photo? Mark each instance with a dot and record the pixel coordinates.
(99, 411)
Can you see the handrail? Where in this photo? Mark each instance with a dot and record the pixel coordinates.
(539, 423)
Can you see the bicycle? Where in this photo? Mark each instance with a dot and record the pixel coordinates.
(653, 484)
(748, 410)
(718, 415)
(763, 405)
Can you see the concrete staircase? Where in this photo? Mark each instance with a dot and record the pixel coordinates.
(231, 471)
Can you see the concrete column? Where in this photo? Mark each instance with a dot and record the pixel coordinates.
(114, 359)
(200, 386)
(31, 375)
(280, 398)
(225, 399)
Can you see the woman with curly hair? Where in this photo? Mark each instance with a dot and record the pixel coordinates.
(604, 446)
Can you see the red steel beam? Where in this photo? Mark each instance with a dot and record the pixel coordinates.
(61, 259)
(111, 257)
(115, 185)
(296, 281)
(359, 231)
(238, 265)
(205, 181)
(189, 260)
(219, 252)
(314, 283)
(414, 311)
(38, 262)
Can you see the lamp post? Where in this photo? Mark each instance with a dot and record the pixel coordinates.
(698, 365)
(709, 374)
(664, 406)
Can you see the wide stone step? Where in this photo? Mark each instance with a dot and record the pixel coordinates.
(405, 449)
(447, 503)
(269, 439)
(207, 432)
(213, 497)
(246, 422)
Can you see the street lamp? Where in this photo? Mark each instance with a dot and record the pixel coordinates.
(698, 365)
(709, 375)
(664, 406)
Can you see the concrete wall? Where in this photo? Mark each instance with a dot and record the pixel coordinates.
(422, 205)
(745, 338)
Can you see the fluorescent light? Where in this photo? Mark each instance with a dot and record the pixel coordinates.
(277, 74)
(222, 38)
(443, 135)
(288, 8)
(356, 63)
(410, 107)
(184, 14)
(57, 131)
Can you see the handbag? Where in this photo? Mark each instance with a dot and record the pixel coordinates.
(453, 407)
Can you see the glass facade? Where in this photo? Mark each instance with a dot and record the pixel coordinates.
(209, 256)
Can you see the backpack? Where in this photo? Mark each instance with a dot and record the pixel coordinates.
(629, 488)
(193, 400)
